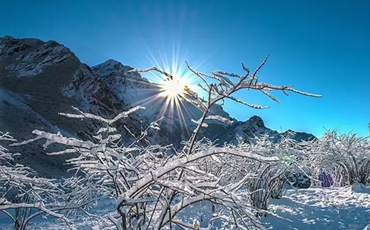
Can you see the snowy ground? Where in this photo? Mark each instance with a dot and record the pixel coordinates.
(314, 209)
(321, 208)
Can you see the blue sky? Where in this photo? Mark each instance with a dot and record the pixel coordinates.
(320, 46)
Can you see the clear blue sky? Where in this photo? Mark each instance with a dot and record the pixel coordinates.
(319, 46)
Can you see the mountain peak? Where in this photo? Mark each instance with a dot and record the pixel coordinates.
(29, 56)
(10, 45)
(110, 66)
(257, 121)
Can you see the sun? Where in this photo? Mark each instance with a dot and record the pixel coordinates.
(173, 88)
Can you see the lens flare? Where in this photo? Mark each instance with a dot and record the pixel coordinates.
(173, 88)
(169, 95)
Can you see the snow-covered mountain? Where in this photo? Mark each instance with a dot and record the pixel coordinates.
(40, 79)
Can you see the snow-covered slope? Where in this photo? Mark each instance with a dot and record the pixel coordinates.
(40, 79)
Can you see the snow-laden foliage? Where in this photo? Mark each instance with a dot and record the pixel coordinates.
(345, 156)
(24, 195)
(142, 179)
(269, 178)
(21, 191)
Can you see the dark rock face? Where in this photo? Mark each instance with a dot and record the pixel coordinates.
(40, 79)
(298, 180)
(10, 46)
(257, 121)
(299, 136)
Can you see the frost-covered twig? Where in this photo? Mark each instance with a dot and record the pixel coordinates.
(99, 118)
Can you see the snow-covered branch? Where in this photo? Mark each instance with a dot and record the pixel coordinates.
(99, 118)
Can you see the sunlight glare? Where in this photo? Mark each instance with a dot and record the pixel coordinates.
(173, 88)
(172, 95)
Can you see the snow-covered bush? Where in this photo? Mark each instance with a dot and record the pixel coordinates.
(105, 168)
(270, 177)
(153, 175)
(297, 155)
(345, 156)
(23, 195)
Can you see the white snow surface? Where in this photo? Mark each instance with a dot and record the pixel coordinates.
(346, 208)
(321, 209)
